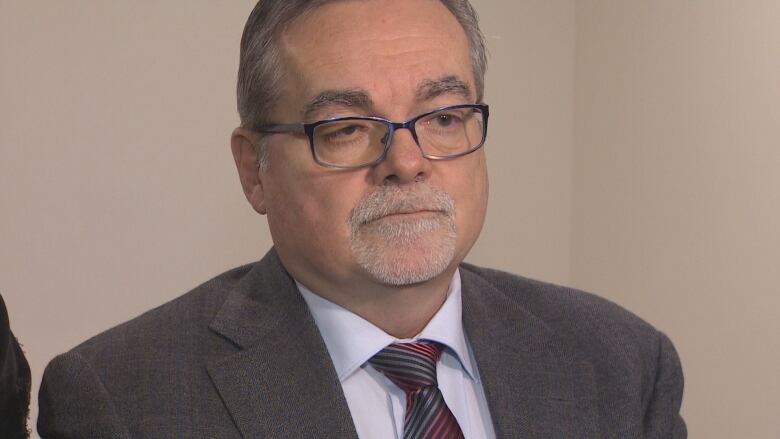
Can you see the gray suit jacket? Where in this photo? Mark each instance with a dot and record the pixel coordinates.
(241, 357)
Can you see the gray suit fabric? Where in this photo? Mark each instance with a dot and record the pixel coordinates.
(241, 357)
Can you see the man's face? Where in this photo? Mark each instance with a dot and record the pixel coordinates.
(408, 219)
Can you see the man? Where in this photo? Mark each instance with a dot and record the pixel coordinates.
(361, 141)
(14, 382)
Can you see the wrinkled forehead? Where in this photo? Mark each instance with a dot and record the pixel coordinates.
(336, 18)
(380, 47)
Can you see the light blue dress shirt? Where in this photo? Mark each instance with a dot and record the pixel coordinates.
(377, 405)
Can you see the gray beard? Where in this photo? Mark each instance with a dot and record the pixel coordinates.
(400, 251)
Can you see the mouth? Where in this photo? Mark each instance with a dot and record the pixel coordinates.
(417, 206)
(410, 214)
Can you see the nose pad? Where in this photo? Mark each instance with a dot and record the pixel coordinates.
(404, 161)
(402, 141)
(405, 131)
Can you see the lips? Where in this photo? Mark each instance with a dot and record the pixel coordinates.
(387, 201)
(399, 207)
(411, 213)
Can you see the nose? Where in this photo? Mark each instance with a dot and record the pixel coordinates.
(404, 162)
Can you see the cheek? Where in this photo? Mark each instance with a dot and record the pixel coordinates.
(317, 208)
(305, 230)
(471, 195)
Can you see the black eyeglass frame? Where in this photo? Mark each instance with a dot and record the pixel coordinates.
(308, 129)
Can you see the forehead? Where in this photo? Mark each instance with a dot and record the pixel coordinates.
(387, 47)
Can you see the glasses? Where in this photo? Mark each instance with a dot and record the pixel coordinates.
(356, 142)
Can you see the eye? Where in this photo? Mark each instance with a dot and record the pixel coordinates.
(445, 119)
(346, 131)
(341, 131)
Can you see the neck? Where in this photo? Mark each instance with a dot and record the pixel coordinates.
(401, 311)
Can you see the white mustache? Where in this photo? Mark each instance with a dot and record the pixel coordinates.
(390, 200)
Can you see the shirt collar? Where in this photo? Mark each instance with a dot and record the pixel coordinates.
(352, 340)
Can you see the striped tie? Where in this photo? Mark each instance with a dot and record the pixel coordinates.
(412, 367)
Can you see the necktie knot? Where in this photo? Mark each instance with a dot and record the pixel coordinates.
(410, 366)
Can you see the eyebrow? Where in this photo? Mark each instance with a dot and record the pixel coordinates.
(428, 89)
(433, 88)
(337, 98)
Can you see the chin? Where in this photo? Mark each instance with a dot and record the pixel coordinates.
(401, 256)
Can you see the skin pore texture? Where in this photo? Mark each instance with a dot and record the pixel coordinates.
(382, 241)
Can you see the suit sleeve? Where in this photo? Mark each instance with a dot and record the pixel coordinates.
(14, 382)
(74, 403)
(662, 418)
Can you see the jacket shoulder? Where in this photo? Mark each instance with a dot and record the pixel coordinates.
(167, 326)
(613, 339)
(133, 378)
(635, 367)
(563, 308)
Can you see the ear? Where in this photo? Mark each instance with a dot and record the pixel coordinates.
(245, 156)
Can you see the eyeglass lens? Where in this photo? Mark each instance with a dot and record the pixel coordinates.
(355, 142)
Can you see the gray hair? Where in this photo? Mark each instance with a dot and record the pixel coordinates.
(260, 71)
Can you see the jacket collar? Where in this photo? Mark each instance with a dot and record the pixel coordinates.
(537, 385)
(281, 382)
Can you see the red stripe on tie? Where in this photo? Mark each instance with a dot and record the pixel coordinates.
(402, 364)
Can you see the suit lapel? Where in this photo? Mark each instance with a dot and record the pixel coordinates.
(281, 382)
(536, 385)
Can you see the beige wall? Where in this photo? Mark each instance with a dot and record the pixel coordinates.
(530, 92)
(117, 187)
(632, 152)
(677, 191)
